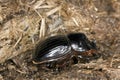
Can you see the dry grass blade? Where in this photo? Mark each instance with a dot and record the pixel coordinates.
(38, 3)
(32, 2)
(20, 38)
(53, 11)
(75, 21)
(21, 72)
(38, 13)
(42, 28)
(111, 62)
(45, 6)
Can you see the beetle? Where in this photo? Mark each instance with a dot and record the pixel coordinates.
(63, 50)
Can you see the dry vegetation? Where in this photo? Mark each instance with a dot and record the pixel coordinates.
(25, 22)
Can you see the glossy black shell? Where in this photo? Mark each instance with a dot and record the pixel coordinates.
(63, 48)
(52, 49)
(79, 42)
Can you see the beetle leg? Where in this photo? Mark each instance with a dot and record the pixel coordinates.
(51, 65)
(75, 60)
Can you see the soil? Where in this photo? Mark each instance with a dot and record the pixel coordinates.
(102, 25)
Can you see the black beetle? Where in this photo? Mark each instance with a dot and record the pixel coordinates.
(58, 51)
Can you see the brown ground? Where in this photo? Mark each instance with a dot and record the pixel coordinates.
(24, 23)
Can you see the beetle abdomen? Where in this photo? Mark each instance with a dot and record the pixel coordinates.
(52, 49)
